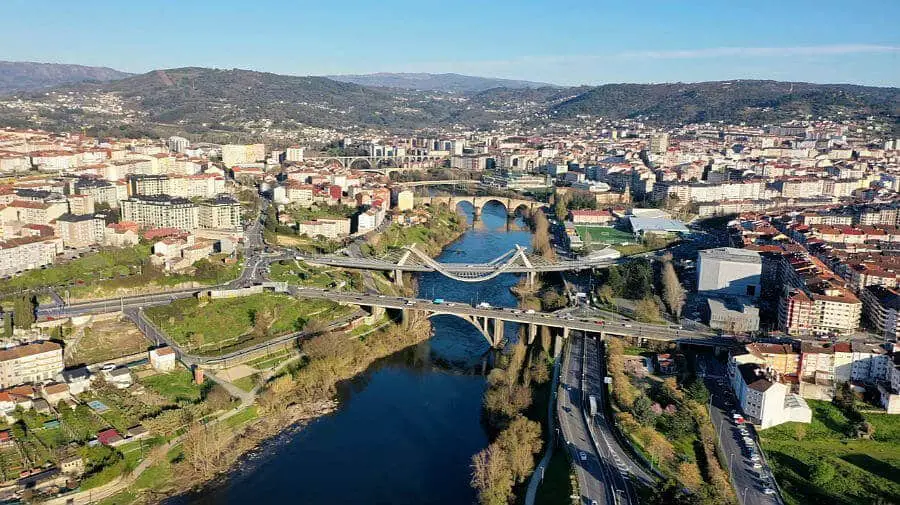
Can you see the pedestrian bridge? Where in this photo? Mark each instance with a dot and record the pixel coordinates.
(516, 261)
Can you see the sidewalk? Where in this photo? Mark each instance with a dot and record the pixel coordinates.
(538, 475)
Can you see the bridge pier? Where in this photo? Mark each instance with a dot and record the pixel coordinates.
(398, 278)
(532, 332)
(497, 337)
(532, 276)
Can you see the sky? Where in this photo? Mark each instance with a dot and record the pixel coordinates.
(566, 42)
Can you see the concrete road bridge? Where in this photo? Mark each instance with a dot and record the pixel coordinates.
(488, 320)
(516, 261)
(478, 202)
(444, 182)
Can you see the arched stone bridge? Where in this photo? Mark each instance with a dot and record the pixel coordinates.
(381, 164)
(478, 202)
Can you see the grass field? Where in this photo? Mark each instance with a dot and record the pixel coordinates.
(604, 235)
(176, 386)
(112, 270)
(556, 487)
(302, 274)
(866, 471)
(221, 325)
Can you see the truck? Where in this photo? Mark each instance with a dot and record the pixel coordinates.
(484, 305)
(437, 301)
(592, 400)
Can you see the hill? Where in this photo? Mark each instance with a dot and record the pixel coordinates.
(17, 76)
(242, 104)
(731, 101)
(450, 83)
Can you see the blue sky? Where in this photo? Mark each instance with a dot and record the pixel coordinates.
(559, 41)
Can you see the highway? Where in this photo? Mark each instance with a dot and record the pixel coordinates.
(622, 467)
(589, 466)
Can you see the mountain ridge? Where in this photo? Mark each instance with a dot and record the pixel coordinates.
(446, 82)
(25, 76)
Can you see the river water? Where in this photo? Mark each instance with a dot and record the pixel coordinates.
(406, 428)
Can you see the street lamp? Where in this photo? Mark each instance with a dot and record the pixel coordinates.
(744, 494)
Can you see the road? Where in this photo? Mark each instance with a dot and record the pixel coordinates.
(619, 459)
(589, 466)
(749, 483)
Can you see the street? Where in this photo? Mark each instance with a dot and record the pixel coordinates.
(749, 483)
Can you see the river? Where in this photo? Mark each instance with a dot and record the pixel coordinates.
(408, 426)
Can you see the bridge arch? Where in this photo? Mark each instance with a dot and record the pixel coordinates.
(360, 164)
(483, 328)
(334, 161)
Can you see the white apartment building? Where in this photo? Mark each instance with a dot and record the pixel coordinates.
(238, 154)
(28, 253)
(328, 228)
(222, 213)
(294, 153)
(161, 211)
(765, 401)
(30, 363)
(729, 271)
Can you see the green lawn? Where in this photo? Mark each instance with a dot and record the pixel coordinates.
(604, 234)
(302, 274)
(176, 386)
(246, 383)
(865, 470)
(116, 268)
(221, 325)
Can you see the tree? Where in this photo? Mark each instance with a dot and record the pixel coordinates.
(24, 309)
(561, 205)
(7, 324)
(646, 310)
(615, 280)
(519, 443)
(218, 398)
(540, 370)
(491, 476)
(673, 291)
(606, 294)
(642, 409)
(821, 472)
(540, 242)
(638, 279)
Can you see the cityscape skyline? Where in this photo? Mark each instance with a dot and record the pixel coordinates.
(664, 44)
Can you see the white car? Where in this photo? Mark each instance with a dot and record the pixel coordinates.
(768, 491)
(529, 311)
(582, 456)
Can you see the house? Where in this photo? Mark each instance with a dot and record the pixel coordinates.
(110, 437)
(162, 359)
(665, 364)
(55, 393)
(40, 405)
(6, 438)
(119, 377)
(72, 465)
(136, 433)
(79, 379)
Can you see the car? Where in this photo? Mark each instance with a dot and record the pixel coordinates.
(769, 491)
(381, 296)
(451, 304)
(109, 367)
(757, 465)
(627, 325)
(410, 302)
(529, 311)
(582, 456)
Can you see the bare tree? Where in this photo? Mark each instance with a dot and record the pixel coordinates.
(540, 242)
(673, 291)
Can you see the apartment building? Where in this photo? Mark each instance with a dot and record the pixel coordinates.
(239, 154)
(221, 213)
(161, 211)
(109, 193)
(765, 401)
(193, 186)
(28, 253)
(34, 212)
(80, 230)
(81, 204)
(328, 228)
(30, 363)
(881, 305)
